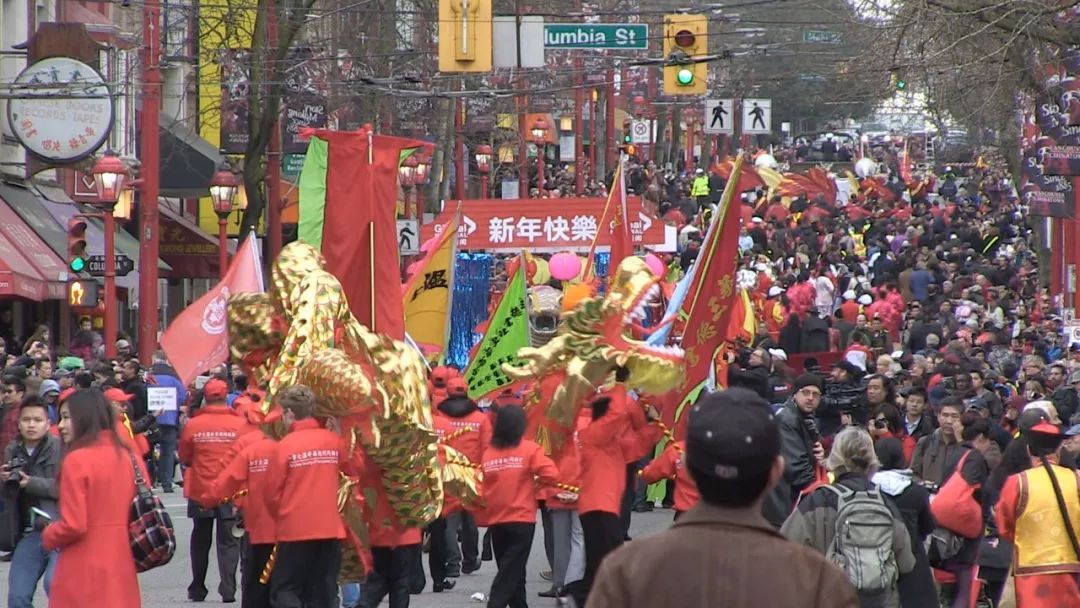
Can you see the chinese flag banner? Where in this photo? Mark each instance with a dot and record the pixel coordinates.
(348, 210)
(428, 295)
(708, 305)
(617, 220)
(196, 340)
(507, 331)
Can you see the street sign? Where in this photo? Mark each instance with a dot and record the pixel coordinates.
(641, 132)
(821, 37)
(95, 265)
(408, 237)
(756, 116)
(596, 36)
(719, 116)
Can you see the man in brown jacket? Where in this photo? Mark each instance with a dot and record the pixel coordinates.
(722, 552)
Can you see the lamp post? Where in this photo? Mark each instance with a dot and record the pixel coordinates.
(223, 187)
(110, 173)
(539, 133)
(483, 167)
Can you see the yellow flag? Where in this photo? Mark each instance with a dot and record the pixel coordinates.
(428, 295)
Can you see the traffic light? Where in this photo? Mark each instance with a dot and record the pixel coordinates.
(76, 230)
(685, 38)
(465, 36)
(898, 83)
(627, 137)
(83, 293)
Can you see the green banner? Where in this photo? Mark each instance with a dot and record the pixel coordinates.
(507, 332)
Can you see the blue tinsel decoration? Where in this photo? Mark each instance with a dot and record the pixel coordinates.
(472, 284)
(603, 258)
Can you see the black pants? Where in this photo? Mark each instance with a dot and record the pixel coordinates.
(603, 534)
(628, 499)
(255, 594)
(469, 535)
(549, 538)
(228, 555)
(438, 549)
(305, 574)
(512, 544)
(390, 576)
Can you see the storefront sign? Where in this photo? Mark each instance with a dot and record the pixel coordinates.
(63, 112)
(539, 225)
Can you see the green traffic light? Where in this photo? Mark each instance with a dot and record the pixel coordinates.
(626, 139)
(77, 264)
(685, 77)
(901, 84)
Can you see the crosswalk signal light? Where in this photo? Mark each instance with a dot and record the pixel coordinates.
(83, 294)
(685, 39)
(76, 230)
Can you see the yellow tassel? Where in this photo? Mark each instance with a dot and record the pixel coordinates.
(458, 433)
(264, 578)
(235, 497)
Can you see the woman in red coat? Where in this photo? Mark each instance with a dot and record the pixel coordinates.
(97, 485)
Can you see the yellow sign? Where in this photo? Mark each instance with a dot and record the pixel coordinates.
(465, 35)
(428, 294)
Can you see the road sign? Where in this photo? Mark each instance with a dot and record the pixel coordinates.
(95, 265)
(408, 237)
(596, 36)
(719, 116)
(641, 132)
(756, 116)
(822, 37)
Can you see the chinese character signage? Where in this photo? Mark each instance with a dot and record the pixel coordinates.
(558, 224)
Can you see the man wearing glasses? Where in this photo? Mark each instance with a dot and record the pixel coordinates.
(800, 445)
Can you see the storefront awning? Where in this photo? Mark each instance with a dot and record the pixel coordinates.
(27, 227)
(188, 161)
(190, 252)
(56, 202)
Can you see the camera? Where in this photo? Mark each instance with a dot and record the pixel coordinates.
(879, 424)
(12, 469)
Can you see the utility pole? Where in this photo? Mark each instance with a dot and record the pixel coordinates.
(148, 199)
(579, 124)
(273, 149)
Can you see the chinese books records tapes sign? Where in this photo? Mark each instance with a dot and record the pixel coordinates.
(559, 224)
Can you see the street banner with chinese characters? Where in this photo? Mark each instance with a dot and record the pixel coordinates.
(549, 225)
(428, 295)
(708, 307)
(196, 340)
(507, 331)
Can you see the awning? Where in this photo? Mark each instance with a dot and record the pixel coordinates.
(192, 253)
(188, 161)
(28, 267)
(17, 275)
(28, 227)
(61, 208)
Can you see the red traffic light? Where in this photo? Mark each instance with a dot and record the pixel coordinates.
(685, 38)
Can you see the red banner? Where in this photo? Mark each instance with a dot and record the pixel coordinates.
(547, 225)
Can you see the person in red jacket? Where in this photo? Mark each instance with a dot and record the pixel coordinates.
(97, 485)
(395, 550)
(469, 430)
(247, 471)
(512, 467)
(136, 442)
(672, 465)
(301, 497)
(204, 441)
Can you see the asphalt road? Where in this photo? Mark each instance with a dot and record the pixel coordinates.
(167, 586)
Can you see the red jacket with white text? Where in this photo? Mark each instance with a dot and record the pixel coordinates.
(510, 482)
(204, 441)
(248, 471)
(603, 466)
(302, 483)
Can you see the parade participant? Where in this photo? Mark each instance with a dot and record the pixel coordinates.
(672, 465)
(512, 467)
(206, 438)
(301, 498)
(31, 487)
(97, 486)
(469, 429)
(395, 549)
(1040, 513)
(568, 538)
(733, 455)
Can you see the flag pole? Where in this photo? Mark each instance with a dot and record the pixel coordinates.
(371, 223)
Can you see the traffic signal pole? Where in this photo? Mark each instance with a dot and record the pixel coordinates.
(110, 285)
(148, 199)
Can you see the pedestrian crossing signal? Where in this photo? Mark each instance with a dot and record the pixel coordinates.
(83, 293)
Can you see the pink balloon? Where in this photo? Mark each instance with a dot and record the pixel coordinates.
(564, 266)
(655, 264)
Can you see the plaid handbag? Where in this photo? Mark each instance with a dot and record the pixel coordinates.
(150, 529)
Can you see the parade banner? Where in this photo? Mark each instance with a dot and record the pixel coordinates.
(616, 216)
(427, 297)
(235, 81)
(708, 305)
(507, 332)
(196, 340)
(549, 225)
(348, 188)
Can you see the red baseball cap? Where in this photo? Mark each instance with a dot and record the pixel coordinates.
(456, 387)
(117, 395)
(215, 390)
(64, 394)
(439, 376)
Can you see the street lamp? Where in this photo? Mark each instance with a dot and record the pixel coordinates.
(110, 174)
(407, 179)
(539, 133)
(483, 167)
(223, 188)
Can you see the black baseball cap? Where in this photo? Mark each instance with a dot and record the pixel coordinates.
(731, 435)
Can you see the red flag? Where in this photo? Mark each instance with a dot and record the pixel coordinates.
(708, 306)
(617, 221)
(359, 239)
(196, 340)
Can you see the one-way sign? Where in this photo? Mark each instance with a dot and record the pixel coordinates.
(95, 265)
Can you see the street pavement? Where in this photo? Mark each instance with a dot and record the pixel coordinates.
(167, 586)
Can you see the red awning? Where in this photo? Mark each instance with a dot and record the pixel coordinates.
(192, 253)
(36, 271)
